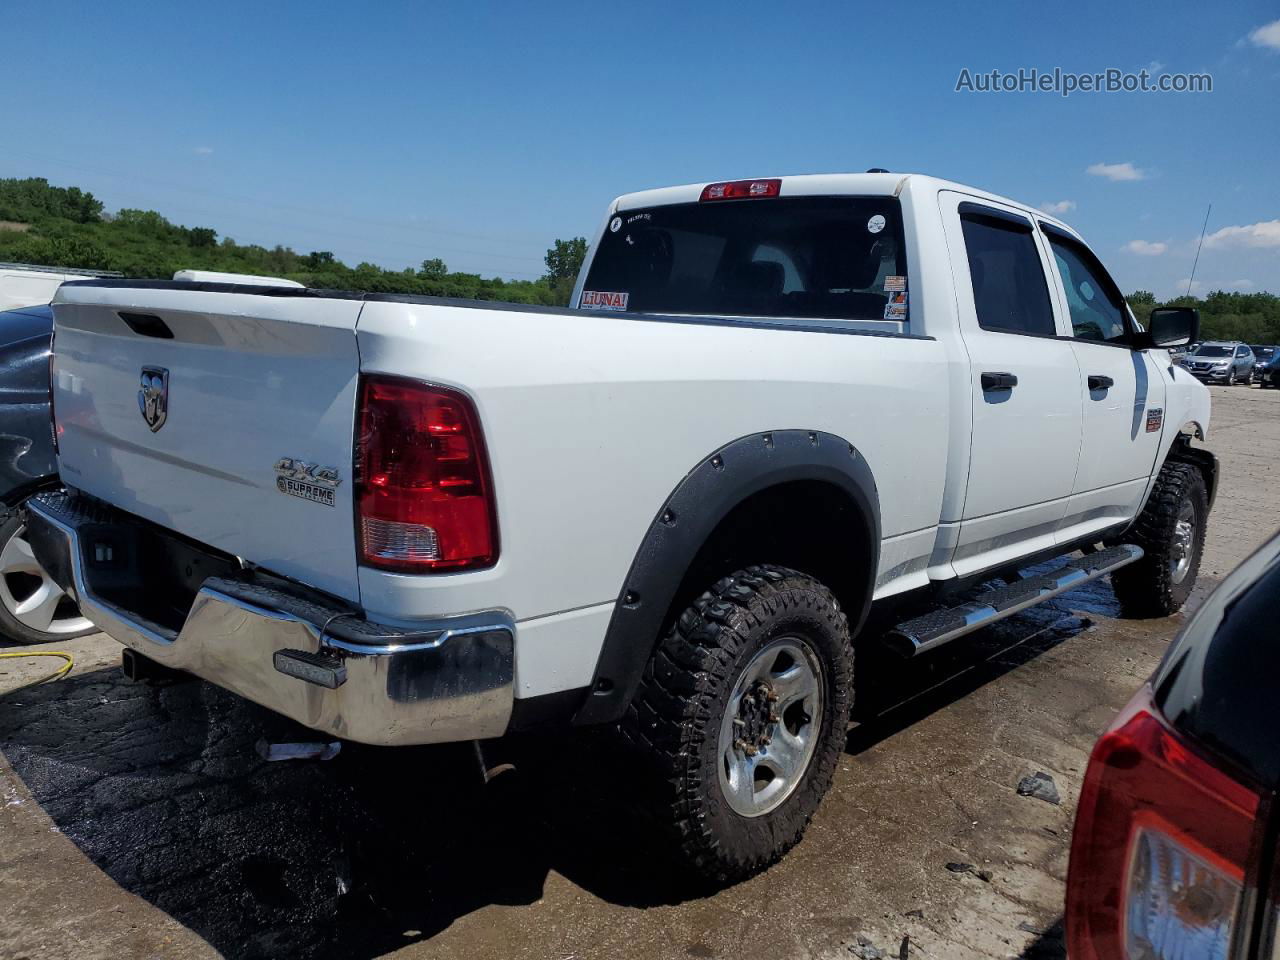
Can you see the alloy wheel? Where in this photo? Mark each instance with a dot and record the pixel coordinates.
(771, 726)
(31, 596)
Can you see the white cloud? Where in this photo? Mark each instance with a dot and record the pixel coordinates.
(1264, 233)
(1267, 35)
(1201, 287)
(1154, 67)
(1062, 206)
(202, 151)
(1146, 248)
(1116, 171)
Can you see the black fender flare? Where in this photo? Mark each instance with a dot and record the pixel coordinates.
(720, 482)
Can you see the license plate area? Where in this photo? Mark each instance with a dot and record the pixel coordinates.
(146, 571)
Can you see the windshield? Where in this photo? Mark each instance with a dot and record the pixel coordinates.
(811, 257)
(1264, 353)
(1214, 351)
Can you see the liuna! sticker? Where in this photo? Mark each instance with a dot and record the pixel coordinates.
(875, 224)
(603, 300)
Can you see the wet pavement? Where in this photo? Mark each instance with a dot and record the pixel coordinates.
(143, 822)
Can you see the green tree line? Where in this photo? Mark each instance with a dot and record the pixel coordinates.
(68, 227)
(1251, 317)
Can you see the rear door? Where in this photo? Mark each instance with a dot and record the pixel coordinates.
(178, 404)
(1025, 387)
(1123, 393)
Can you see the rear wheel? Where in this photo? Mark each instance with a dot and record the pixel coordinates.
(1170, 531)
(741, 717)
(33, 609)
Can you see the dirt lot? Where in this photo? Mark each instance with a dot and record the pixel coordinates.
(137, 822)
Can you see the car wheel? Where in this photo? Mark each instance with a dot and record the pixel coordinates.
(1170, 531)
(740, 719)
(33, 609)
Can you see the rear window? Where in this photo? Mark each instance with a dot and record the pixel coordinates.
(806, 257)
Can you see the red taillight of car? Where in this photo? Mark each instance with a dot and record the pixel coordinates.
(1161, 841)
(424, 498)
(741, 190)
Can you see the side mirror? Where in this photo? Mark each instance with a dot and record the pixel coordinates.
(1170, 327)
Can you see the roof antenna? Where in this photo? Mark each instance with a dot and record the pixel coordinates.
(1195, 262)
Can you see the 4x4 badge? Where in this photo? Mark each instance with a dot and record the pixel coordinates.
(153, 396)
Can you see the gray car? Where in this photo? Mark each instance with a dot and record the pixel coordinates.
(1221, 361)
(33, 609)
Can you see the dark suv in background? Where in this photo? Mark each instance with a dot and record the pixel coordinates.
(1264, 357)
(1221, 361)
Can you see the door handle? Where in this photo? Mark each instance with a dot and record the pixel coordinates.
(998, 381)
(1099, 382)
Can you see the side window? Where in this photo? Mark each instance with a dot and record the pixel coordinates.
(1009, 288)
(1097, 310)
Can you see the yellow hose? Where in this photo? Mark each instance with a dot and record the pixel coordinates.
(57, 674)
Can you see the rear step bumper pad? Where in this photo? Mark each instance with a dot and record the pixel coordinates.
(934, 629)
(302, 656)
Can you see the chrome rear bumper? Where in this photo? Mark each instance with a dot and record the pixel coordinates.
(299, 654)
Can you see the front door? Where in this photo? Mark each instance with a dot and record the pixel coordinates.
(1124, 393)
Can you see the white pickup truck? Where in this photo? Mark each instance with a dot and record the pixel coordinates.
(404, 520)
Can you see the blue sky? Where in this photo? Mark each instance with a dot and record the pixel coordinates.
(394, 132)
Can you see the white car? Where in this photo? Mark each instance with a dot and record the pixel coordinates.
(406, 520)
(29, 285)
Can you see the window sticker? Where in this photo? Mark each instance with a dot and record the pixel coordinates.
(615, 224)
(895, 284)
(896, 306)
(603, 300)
(875, 224)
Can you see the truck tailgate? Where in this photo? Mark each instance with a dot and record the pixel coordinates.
(249, 379)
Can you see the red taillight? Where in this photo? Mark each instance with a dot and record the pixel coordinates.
(424, 498)
(1161, 841)
(741, 190)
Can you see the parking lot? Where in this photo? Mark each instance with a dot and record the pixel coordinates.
(141, 822)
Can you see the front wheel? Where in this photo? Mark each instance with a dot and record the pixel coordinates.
(1170, 531)
(741, 717)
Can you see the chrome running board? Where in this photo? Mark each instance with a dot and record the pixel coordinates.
(934, 629)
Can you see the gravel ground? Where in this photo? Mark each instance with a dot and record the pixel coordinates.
(140, 822)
